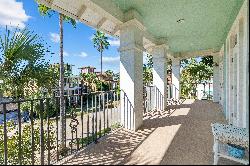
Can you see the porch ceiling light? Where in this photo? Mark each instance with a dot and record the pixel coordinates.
(180, 20)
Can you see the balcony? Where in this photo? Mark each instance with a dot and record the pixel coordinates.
(94, 135)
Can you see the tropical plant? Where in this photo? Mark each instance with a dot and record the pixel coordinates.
(147, 71)
(91, 79)
(194, 72)
(109, 73)
(101, 43)
(46, 11)
(22, 63)
(13, 139)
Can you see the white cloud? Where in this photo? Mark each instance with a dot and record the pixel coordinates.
(145, 58)
(65, 53)
(91, 37)
(83, 54)
(108, 59)
(54, 37)
(12, 14)
(114, 42)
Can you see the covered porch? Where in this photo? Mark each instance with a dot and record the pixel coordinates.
(169, 30)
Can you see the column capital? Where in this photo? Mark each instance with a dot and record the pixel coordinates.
(131, 36)
(161, 46)
(132, 46)
(159, 51)
(176, 61)
(133, 23)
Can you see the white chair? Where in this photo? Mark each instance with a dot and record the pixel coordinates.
(228, 134)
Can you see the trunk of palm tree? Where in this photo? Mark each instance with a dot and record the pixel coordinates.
(62, 124)
(101, 71)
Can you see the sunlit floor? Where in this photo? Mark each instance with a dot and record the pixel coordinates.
(181, 135)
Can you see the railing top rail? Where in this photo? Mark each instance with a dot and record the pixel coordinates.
(57, 96)
(23, 100)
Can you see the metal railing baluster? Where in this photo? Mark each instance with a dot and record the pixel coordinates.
(87, 119)
(111, 110)
(32, 132)
(82, 116)
(130, 111)
(72, 138)
(48, 130)
(5, 135)
(127, 113)
(124, 109)
(100, 117)
(114, 104)
(19, 134)
(93, 128)
(57, 133)
(103, 106)
(95, 117)
(75, 129)
(107, 110)
(41, 133)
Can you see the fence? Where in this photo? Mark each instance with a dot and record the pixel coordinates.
(153, 99)
(38, 141)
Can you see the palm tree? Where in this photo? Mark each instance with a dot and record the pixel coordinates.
(101, 43)
(46, 11)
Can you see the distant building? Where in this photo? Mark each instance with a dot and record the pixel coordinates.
(72, 84)
(72, 87)
(87, 69)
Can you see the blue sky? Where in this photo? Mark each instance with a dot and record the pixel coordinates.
(78, 47)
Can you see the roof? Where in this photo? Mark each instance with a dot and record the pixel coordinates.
(87, 67)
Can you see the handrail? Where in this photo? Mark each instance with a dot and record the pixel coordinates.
(96, 115)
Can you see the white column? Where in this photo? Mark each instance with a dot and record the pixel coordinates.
(176, 78)
(246, 37)
(131, 82)
(243, 93)
(160, 76)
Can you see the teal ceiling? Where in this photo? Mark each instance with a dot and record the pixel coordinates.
(206, 22)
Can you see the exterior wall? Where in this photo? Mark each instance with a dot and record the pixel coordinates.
(221, 76)
(246, 53)
(236, 72)
(216, 79)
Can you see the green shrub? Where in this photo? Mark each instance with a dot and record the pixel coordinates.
(26, 106)
(26, 153)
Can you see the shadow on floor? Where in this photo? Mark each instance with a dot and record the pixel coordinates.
(182, 136)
